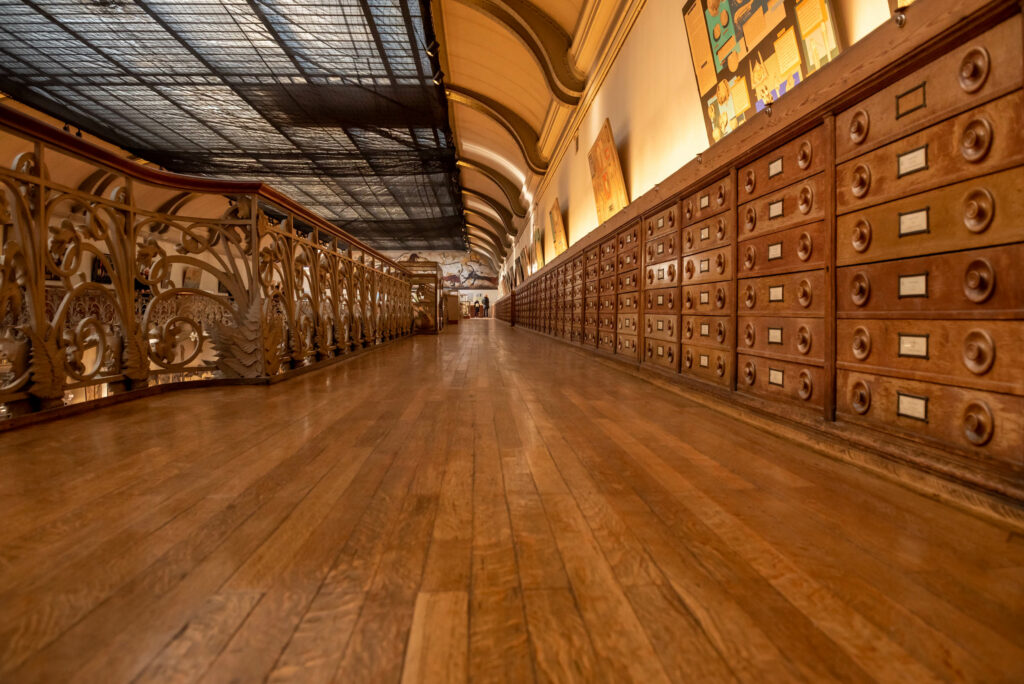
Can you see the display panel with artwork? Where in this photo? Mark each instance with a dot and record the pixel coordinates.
(748, 53)
(606, 174)
(558, 235)
(459, 270)
(538, 248)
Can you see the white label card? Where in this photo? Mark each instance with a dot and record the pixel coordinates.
(914, 222)
(705, 233)
(704, 361)
(661, 274)
(775, 168)
(912, 407)
(914, 286)
(775, 251)
(661, 299)
(661, 350)
(705, 201)
(661, 222)
(774, 335)
(913, 161)
(775, 293)
(914, 345)
(775, 209)
(705, 297)
(705, 330)
(661, 247)
(661, 325)
(775, 377)
(705, 265)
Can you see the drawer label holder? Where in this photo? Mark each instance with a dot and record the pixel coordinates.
(705, 201)
(913, 346)
(775, 251)
(705, 297)
(704, 361)
(776, 293)
(774, 335)
(705, 233)
(705, 330)
(910, 406)
(911, 100)
(913, 286)
(776, 377)
(913, 161)
(775, 209)
(914, 222)
(775, 168)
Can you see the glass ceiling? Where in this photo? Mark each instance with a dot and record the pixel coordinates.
(330, 101)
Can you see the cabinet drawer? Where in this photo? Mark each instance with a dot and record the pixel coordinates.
(627, 324)
(713, 298)
(629, 238)
(629, 302)
(664, 221)
(983, 283)
(661, 353)
(709, 266)
(662, 248)
(592, 256)
(796, 293)
(797, 249)
(608, 249)
(590, 288)
(980, 141)
(711, 200)
(607, 267)
(606, 321)
(707, 363)
(629, 282)
(662, 301)
(973, 421)
(982, 354)
(665, 274)
(606, 304)
(606, 340)
(781, 380)
(662, 327)
(606, 285)
(794, 205)
(590, 304)
(797, 159)
(590, 336)
(625, 345)
(590, 319)
(707, 330)
(712, 233)
(796, 339)
(627, 259)
(592, 272)
(964, 77)
(976, 213)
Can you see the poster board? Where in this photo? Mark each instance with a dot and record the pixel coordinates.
(606, 175)
(520, 273)
(748, 53)
(538, 248)
(559, 237)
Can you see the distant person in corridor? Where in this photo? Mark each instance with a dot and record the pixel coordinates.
(487, 307)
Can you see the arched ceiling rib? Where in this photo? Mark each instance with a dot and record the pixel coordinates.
(484, 236)
(526, 138)
(493, 226)
(508, 188)
(486, 255)
(500, 209)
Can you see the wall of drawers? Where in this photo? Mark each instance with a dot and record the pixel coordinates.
(864, 275)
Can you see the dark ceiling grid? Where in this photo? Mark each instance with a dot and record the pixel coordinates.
(331, 101)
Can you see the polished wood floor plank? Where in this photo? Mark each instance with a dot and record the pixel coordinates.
(482, 505)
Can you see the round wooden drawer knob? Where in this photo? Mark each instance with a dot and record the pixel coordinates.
(861, 238)
(979, 207)
(974, 69)
(979, 352)
(861, 343)
(720, 263)
(750, 219)
(859, 125)
(978, 423)
(720, 232)
(805, 386)
(804, 246)
(720, 367)
(749, 297)
(751, 181)
(689, 211)
(749, 335)
(979, 280)
(689, 239)
(861, 181)
(976, 140)
(689, 269)
(803, 155)
(803, 339)
(720, 332)
(860, 397)
(671, 219)
(720, 197)
(688, 359)
(805, 200)
(720, 298)
(749, 373)
(688, 330)
(749, 258)
(860, 289)
(803, 293)
(688, 300)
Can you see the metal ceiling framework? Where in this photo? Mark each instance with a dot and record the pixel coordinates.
(333, 102)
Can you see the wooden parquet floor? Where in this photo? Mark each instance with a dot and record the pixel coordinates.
(485, 505)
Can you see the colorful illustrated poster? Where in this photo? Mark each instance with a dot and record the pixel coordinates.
(538, 248)
(558, 234)
(459, 270)
(749, 53)
(520, 273)
(606, 175)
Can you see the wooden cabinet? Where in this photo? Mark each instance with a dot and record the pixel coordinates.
(707, 330)
(791, 206)
(804, 156)
(662, 327)
(707, 363)
(714, 232)
(781, 380)
(662, 354)
(663, 221)
(796, 249)
(708, 201)
(714, 298)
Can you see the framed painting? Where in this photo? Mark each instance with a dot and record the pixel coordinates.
(606, 175)
(559, 237)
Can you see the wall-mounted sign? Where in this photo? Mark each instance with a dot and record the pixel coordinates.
(749, 53)
(606, 175)
(558, 235)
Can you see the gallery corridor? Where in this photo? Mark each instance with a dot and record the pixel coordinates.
(481, 505)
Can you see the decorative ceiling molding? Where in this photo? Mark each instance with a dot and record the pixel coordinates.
(507, 187)
(500, 232)
(498, 207)
(526, 138)
(485, 249)
(484, 234)
(544, 38)
(487, 255)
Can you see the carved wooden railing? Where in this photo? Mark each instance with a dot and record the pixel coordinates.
(115, 276)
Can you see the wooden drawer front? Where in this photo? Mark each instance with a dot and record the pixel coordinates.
(662, 327)
(592, 272)
(628, 259)
(606, 286)
(714, 232)
(976, 213)
(606, 340)
(626, 345)
(781, 380)
(662, 248)
(980, 141)
(709, 266)
(797, 204)
(608, 250)
(714, 199)
(577, 291)
(629, 282)
(665, 221)
(664, 274)
(606, 304)
(577, 264)
(796, 293)
(629, 302)
(592, 256)
(795, 160)
(606, 321)
(983, 354)
(796, 249)
(590, 305)
(797, 339)
(977, 284)
(707, 363)
(714, 298)
(590, 288)
(627, 324)
(662, 353)
(607, 267)
(629, 238)
(589, 320)
(977, 422)
(590, 336)
(707, 330)
(965, 77)
(662, 301)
